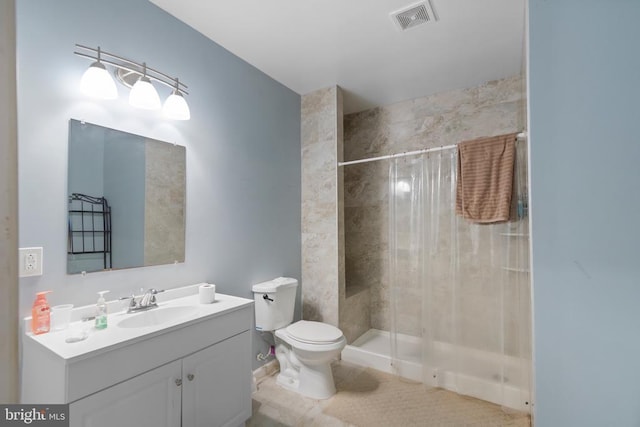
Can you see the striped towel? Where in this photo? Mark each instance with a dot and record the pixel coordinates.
(485, 178)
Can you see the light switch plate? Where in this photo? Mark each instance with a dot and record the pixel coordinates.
(30, 262)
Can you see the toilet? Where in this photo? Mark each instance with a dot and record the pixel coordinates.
(304, 349)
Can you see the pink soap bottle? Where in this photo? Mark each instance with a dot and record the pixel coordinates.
(40, 314)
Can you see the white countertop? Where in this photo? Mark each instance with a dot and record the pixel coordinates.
(114, 336)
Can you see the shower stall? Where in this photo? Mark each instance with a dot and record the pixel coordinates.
(446, 302)
(459, 293)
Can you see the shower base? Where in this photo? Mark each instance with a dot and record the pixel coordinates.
(373, 350)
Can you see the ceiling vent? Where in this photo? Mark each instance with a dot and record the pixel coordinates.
(414, 15)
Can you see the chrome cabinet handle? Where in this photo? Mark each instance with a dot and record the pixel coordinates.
(190, 377)
(179, 382)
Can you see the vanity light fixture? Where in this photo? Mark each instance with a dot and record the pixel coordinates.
(143, 94)
(98, 83)
(175, 107)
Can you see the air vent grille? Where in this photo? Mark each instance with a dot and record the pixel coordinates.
(414, 15)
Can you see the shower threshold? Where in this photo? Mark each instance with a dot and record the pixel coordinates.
(373, 350)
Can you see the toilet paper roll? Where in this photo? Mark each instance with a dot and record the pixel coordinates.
(207, 293)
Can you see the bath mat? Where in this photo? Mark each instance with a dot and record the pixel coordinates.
(374, 398)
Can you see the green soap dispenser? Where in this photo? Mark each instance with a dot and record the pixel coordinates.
(101, 312)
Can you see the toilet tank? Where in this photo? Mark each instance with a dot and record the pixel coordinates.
(274, 303)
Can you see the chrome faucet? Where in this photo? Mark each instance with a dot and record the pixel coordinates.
(146, 301)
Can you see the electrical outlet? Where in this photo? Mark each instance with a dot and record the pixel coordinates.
(30, 262)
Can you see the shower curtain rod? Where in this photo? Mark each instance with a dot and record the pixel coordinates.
(521, 136)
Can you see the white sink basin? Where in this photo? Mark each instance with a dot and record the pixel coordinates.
(156, 316)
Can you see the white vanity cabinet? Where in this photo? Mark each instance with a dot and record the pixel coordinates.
(216, 384)
(150, 399)
(191, 373)
(206, 389)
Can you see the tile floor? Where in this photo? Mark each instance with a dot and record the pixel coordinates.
(275, 406)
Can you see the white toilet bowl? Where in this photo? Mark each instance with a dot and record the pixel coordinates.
(305, 350)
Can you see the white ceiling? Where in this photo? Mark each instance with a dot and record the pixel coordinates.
(312, 44)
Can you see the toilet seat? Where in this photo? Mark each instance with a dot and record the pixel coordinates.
(305, 340)
(310, 332)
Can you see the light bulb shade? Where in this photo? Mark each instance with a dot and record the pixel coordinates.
(144, 95)
(176, 108)
(97, 83)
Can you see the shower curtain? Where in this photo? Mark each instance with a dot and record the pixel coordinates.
(462, 288)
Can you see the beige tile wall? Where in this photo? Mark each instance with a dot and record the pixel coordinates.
(322, 238)
(345, 210)
(494, 108)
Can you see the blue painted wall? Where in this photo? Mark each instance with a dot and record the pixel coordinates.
(243, 148)
(585, 151)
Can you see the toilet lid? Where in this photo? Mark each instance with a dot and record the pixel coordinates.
(314, 332)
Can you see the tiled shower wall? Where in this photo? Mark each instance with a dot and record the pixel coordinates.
(494, 108)
(322, 186)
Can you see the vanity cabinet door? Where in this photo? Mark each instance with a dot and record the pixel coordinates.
(151, 399)
(216, 389)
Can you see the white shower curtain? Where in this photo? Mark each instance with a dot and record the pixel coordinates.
(461, 288)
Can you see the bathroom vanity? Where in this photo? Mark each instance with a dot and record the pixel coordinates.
(181, 364)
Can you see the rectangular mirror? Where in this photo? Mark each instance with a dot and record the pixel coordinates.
(126, 200)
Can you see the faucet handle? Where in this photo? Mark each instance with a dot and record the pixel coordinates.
(153, 293)
(132, 303)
